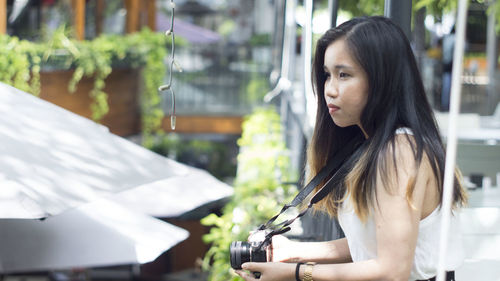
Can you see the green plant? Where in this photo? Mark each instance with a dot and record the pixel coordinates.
(256, 88)
(226, 27)
(263, 166)
(213, 156)
(21, 61)
(263, 39)
(20, 64)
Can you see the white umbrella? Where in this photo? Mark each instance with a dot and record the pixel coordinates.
(52, 159)
(96, 234)
(176, 195)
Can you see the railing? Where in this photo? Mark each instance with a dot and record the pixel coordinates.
(210, 88)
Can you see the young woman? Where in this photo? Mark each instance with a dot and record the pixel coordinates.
(369, 88)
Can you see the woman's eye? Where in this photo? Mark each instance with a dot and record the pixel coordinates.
(343, 75)
(327, 75)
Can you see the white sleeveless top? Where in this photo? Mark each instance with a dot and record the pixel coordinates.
(362, 241)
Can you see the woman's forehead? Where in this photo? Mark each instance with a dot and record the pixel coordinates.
(337, 55)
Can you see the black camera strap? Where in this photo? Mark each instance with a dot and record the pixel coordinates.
(334, 164)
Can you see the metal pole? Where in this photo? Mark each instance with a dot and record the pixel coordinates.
(451, 138)
(309, 100)
(399, 11)
(333, 8)
(277, 43)
(491, 54)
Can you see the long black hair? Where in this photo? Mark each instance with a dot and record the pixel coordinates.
(396, 99)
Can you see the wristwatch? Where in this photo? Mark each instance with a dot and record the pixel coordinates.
(308, 271)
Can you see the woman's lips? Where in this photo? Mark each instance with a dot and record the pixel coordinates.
(332, 108)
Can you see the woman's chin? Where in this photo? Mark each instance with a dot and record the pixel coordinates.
(341, 124)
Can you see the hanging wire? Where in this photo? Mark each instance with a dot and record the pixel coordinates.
(173, 63)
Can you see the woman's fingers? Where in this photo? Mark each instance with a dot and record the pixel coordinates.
(267, 271)
(251, 267)
(244, 275)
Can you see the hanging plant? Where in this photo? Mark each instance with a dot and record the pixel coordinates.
(21, 61)
(20, 64)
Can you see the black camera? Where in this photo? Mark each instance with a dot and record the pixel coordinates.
(241, 252)
(255, 250)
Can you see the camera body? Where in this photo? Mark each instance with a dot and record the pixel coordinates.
(241, 252)
(255, 250)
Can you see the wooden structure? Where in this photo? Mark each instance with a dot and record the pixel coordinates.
(3, 16)
(124, 116)
(139, 13)
(230, 125)
(122, 86)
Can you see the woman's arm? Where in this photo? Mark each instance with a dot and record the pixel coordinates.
(396, 222)
(284, 250)
(396, 219)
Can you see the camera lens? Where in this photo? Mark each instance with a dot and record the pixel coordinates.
(239, 253)
(242, 252)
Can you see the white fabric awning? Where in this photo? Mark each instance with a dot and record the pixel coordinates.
(52, 159)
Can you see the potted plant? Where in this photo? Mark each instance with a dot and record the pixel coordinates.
(112, 79)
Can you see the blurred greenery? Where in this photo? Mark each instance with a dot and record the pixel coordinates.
(21, 62)
(376, 7)
(226, 27)
(259, 192)
(215, 157)
(363, 7)
(433, 7)
(256, 88)
(263, 39)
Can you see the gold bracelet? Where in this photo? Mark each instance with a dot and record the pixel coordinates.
(308, 272)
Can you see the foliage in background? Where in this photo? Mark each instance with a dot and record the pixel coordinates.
(226, 27)
(263, 39)
(259, 192)
(363, 7)
(376, 7)
(433, 7)
(21, 62)
(256, 88)
(215, 157)
(495, 9)
(436, 8)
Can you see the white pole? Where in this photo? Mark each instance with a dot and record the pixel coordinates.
(309, 99)
(307, 41)
(491, 49)
(451, 147)
(287, 56)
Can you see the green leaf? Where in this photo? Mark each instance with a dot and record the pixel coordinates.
(262, 164)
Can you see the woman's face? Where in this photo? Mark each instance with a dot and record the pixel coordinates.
(346, 85)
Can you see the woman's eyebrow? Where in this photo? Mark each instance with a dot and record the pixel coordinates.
(339, 66)
(343, 66)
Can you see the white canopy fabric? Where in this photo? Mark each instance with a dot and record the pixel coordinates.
(174, 196)
(96, 234)
(52, 159)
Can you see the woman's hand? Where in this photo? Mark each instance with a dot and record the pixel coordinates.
(283, 250)
(269, 271)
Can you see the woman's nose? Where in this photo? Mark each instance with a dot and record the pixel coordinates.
(331, 89)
